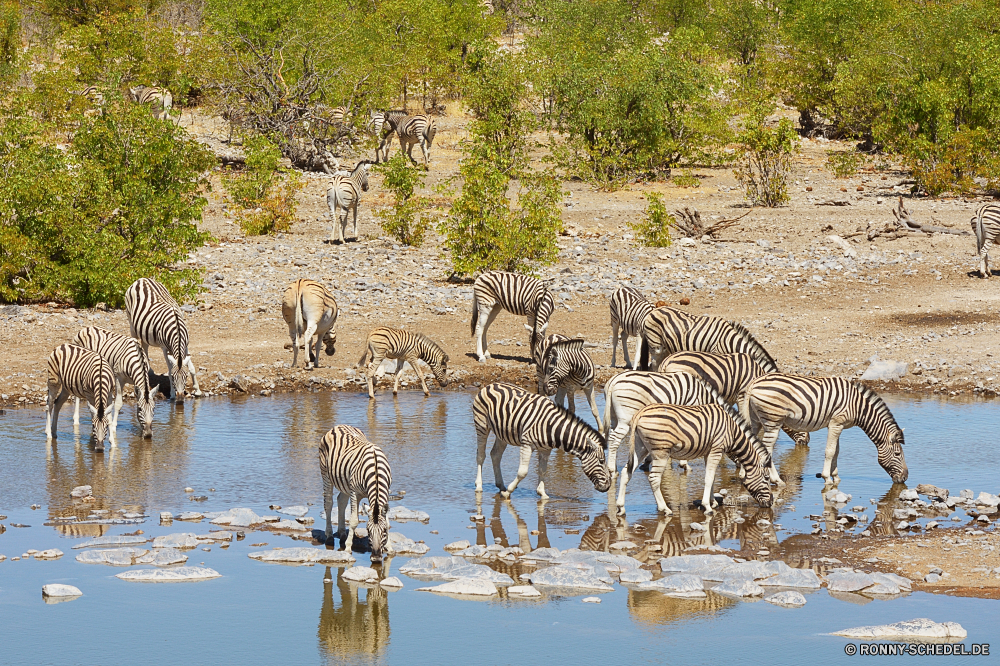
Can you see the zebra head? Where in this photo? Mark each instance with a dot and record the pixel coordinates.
(890, 455)
(880, 425)
(144, 405)
(592, 461)
(378, 531)
(757, 482)
(361, 171)
(330, 340)
(178, 376)
(555, 365)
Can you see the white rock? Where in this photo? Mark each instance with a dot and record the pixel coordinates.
(169, 575)
(303, 555)
(391, 583)
(400, 544)
(402, 514)
(162, 557)
(182, 540)
(881, 589)
(524, 591)
(707, 566)
(892, 579)
(542, 554)
(739, 588)
(81, 491)
(464, 587)
(677, 585)
(237, 518)
(58, 590)
(591, 600)
(117, 557)
(360, 575)
(636, 576)
(805, 578)
(888, 371)
(788, 598)
(568, 576)
(297, 511)
(50, 554)
(191, 515)
(917, 628)
(697, 527)
(909, 495)
(215, 536)
(848, 582)
(623, 545)
(837, 497)
(112, 541)
(288, 525)
(986, 499)
(473, 551)
(457, 545)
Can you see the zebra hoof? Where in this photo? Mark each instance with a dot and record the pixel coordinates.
(504, 494)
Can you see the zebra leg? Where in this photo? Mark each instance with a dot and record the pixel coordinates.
(655, 476)
(52, 426)
(496, 453)
(328, 508)
(614, 343)
(638, 351)
(830, 476)
(481, 438)
(353, 524)
(375, 363)
(712, 461)
(170, 367)
(307, 337)
(399, 371)
(194, 375)
(615, 437)
(482, 327)
(768, 436)
(355, 209)
(570, 400)
(342, 499)
(589, 392)
(420, 375)
(984, 253)
(76, 412)
(543, 467)
(522, 471)
(427, 154)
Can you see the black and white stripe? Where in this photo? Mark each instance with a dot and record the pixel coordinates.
(359, 470)
(155, 320)
(80, 372)
(413, 130)
(130, 366)
(515, 293)
(344, 194)
(986, 227)
(808, 404)
(310, 310)
(94, 95)
(695, 431)
(564, 368)
(629, 309)
(404, 347)
(383, 126)
(534, 423)
(159, 100)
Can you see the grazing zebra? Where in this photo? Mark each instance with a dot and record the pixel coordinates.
(404, 347)
(629, 309)
(155, 320)
(344, 194)
(628, 392)
(383, 125)
(80, 372)
(986, 226)
(351, 464)
(808, 404)
(695, 431)
(130, 366)
(414, 130)
(565, 368)
(534, 423)
(160, 100)
(515, 293)
(310, 310)
(668, 330)
(94, 95)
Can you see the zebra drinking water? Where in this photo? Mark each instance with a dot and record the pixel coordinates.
(80, 372)
(515, 293)
(629, 309)
(310, 310)
(344, 194)
(404, 347)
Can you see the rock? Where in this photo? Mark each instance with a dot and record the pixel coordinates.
(360, 575)
(636, 576)
(986, 499)
(843, 245)
(453, 568)
(918, 628)
(697, 527)
(931, 525)
(464, 587)
(709, 567)
(237, 518)
(908, 495)
(932, 491)
(591, 600)
(881, 589)
(837, 497)
(750, 570)
(848, 582)
(112, 541)
(290, 525)
(457, 545)
(677, 585)
(569, 576)
(116, 557)
(400, 544)
(623, 545)
(542, 554)
(166, 517)
(892, 579)
(983, 518)
(162, 557)
(182, 540)
(966, 494)
(402, 514)
(303, 555)
(523, 591)
(787, 598)
(932, 578)
(888, 371)
(297, 511)
(58, 590)
(50, 554)
(688, 242)
(739, 588)
(81, 491)
(473, 551)
(391, 583)
(611, 562)
(169, 575)
(215, 536)
(190, 515)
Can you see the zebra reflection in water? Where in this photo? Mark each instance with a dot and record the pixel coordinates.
(356, 624)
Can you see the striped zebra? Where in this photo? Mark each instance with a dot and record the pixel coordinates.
(668, 330)
(695, 431)
(986, 226)
(565, 368)
(629, 309)
(310, 310)
(534, 423)
(413, 130)
(130, 366)
(94, 95)
(808, 404)
(515, 293)
(344, 194)
(383, 126)
(155, 320)
(359, 470)
(80, 372)
(159, 100)
(404, 347)
(628, 392)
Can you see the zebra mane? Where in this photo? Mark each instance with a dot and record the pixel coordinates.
(747, 336)
(588, 429)
(424, 340)
(876, 403)
(574, 344)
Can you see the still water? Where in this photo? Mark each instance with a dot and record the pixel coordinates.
(255, 452)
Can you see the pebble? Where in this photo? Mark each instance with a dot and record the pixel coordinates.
(591, 600)
(391, 583)
(917, 628)
(464, 587)
(360, 575)
(59, 590)
(787, 598)
(458, 545)
(81, 491)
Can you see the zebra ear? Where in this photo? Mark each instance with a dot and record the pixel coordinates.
(153, 392)
(528, 327)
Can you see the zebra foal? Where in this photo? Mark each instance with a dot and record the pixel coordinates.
(565, 368)
(159, 100)
(155, 320)
(986, 227)
(808, 404)
(359, 470)
(404, 347)
(534, 423)
(383, 126)
(518, 294)
(413, 130)
(130, 366)
(310, 310)
(629, 309)
(80, 372)
(695, 431)
(344, 194)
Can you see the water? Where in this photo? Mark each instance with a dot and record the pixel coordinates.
(256, 452)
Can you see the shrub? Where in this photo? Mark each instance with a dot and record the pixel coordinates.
(265, 197)
(686, 179)
(843, 164)
(954, 165)
(765, 159)
(654, 229)
(400, 221)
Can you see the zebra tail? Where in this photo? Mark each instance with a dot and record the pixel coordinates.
(364, 355)
(980, 231)
(299, 328)
(607, 415)
(633, 461)
(744, 402)
(644, 354)
(475, 315)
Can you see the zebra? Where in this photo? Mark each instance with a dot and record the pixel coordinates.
(404, 347)
(94, 95)
(383, 125)
(414, 130)
(344, 194)
(812, 403)
(515, 293)
(668, 330)
(351, 464)
(156, 320)
(534, 423)
(986, 226)
(564, 368)
(628, 392)
(130, 366)
(727, 374)
(160, 100)
(691, 431)
(80, 372)
(629, 309)
(310, 310)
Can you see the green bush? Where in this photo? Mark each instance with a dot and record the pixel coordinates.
(843, 163)
(10, 38)
(686, 179)
(400, 221)
(263, 193)
(653, 230)
(764, 159)
(954, 165)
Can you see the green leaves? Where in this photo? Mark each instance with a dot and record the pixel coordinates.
(402, 178)
(765, 159)
(653, 230)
